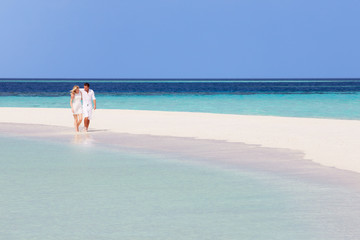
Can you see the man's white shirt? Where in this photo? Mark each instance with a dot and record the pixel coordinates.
(87, 97)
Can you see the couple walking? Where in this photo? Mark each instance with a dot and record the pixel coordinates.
(84, 109)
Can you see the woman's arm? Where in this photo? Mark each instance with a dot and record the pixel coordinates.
(71, 102)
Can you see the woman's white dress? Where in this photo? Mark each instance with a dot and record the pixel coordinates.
(77, 106)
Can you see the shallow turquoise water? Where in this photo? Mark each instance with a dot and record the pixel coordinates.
(339, 106)
(58, 191)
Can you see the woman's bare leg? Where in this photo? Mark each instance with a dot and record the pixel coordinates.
(79, 121)
(75, 123)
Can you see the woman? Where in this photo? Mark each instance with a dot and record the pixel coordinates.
(76, 107)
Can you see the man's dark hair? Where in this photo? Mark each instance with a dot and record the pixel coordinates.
(86, 84)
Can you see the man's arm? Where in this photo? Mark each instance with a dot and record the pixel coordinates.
(94, 100)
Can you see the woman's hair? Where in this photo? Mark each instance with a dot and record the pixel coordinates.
(73, 91)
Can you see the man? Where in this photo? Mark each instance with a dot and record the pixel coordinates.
(88, 95)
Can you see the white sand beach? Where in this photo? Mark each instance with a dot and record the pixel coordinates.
(328, 142)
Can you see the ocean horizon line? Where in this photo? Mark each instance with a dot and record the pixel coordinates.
(181, 79)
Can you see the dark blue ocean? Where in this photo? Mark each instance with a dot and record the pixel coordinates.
(61, 87)
(319, 98)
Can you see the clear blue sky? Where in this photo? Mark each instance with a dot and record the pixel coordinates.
(180, 38)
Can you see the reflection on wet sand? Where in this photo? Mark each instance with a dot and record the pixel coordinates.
(84, 139)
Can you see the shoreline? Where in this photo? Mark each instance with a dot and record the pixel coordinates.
(329, 142)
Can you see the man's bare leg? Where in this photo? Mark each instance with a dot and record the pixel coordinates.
(86, 123)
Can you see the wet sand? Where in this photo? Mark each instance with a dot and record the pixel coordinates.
(232, 155)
